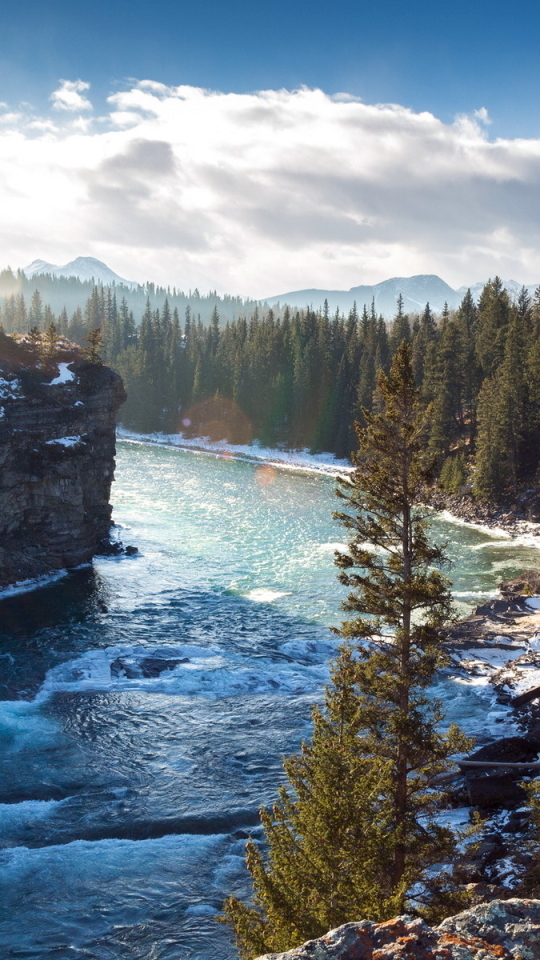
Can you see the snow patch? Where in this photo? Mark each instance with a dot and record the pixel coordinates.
(64, 441)
(298, 460)
(10, 389)
(65, 375)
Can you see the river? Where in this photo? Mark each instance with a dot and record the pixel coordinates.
(147, 701)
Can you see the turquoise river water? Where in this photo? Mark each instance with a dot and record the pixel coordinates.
(146, 702)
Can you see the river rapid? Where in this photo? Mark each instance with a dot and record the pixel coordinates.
(146, 702)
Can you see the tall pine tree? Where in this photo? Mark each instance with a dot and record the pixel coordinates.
(355, 835)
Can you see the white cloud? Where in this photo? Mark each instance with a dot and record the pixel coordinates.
(69, 96)
(267, 192)
(482, 115)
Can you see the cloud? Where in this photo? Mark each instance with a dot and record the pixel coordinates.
(68, 96)
(266, 192)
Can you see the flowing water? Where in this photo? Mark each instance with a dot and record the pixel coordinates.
(147, 701)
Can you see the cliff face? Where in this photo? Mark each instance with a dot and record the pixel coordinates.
(57, 447)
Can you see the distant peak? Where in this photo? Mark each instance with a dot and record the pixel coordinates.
(84, 268)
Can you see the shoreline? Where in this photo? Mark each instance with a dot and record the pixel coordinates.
(498, 522)
(295, 460)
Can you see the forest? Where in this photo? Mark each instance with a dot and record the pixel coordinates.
(301, 378)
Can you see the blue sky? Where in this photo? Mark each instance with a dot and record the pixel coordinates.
(256, 148)
(443, 57)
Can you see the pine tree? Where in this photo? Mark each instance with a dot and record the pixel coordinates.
(501, 408)
(95, 342)
(355, 834)
(50, 341)
(398, 602)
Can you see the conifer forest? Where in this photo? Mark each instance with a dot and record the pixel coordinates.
(302, 378)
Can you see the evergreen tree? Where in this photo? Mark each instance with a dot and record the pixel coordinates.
(95, 342)
(492, 325)
(501, 407)
(356, 835)
(35, 315)
(50, 341)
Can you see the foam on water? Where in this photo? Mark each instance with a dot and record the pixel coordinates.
(23, 724)
(263, 595)
(201, 672)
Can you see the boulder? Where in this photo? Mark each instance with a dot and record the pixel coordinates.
(496, 790)
(526, 585)
(500, 930)
(507, 750)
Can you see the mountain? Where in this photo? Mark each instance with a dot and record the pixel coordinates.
(84, 268)
(416, 292)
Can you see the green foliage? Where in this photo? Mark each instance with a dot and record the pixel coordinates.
(453, 474)
(302, 378)
(95, 342)
(355, 834)
(50, 341)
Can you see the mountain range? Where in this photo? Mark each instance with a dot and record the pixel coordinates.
(84, 268)
(416, 291)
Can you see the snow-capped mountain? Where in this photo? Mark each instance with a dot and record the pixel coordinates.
(85, 268)
(416, 292)
(513, 288)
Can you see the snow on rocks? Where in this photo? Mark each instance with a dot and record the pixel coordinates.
(10, 389)
(285, 459)
(65, 375)
(64, 441)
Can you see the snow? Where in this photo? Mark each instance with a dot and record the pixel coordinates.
(533, 603)
(63, 441)
(85, 268)
(64, 376)
(284, 459)
(9, 389)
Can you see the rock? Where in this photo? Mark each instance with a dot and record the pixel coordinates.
(115, 548)
(500, 790)
(527, 697)
(526, 585)
(57, 447)
(500, 930)
(493, 606)
(148, 667)
(154, 666)
(507, 749)
(484, 892)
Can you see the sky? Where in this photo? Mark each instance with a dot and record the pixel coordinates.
(256, 148)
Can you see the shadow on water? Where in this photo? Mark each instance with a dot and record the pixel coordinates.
(77, 596)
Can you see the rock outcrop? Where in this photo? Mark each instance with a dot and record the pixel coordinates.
(57, 448)
(500, 930)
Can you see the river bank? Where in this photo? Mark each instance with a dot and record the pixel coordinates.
(514, 517)
(498, 647)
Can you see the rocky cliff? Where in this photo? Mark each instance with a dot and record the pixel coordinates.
(57, 447)
(501, 930)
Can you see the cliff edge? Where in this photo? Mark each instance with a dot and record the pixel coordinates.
(57, 448)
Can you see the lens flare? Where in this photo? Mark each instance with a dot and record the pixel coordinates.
(265, 476)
